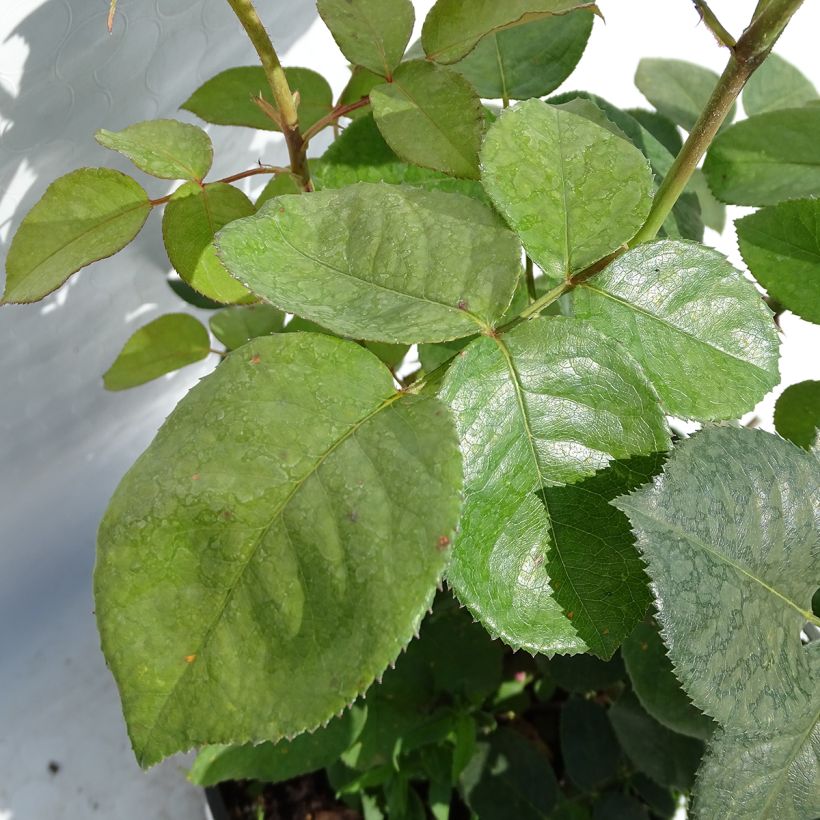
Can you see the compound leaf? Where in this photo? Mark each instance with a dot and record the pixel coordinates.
(776, 84)
(572, 190)
(378, 262)
(292, 517)
(697, 327)
(550, 402)
(82, 217)
(163, 148)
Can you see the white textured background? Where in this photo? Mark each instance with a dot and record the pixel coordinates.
(64, 442)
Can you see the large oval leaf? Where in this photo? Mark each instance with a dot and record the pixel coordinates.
(379, 262)
(454, 27)
(766, 159)
(189, 224)
(572, 190)
(549, 403)
(432, 117)
(275, 547)
(82, 217)
(698, 328)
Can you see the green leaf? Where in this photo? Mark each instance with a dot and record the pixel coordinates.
(370, 33)
(82, 217)
(191, 219)
(712, 211)
(668, 758)
(583, 673)
(432, 117)
(360, 154)
(588, 744)
(766, 159)
(528, 61)
(661, 800)
(162, 346)
(281, 567)
(509, 777)
(274, 762)
(776, 84)
(234, 326)
(227, 98)
(656, 686)
(353, 261)
(359, 86)
(662, 128)
(550, 402)
(281, 184)
(729, 535)
(185, 292)
(678, 89)
(797, 413)
(572, 190)
(781, 246)
(618, 806)
(698, 328)
(163, 148)
(453, 28)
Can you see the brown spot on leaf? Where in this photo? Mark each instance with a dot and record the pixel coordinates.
(190, 658)
(462, 304)
(195, 477)
(570, 614)
(256, 358)
(443, 542)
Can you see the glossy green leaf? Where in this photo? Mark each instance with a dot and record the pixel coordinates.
(361, 83)
(661, 127)
(227, 98)
(189, 224)
(530, 60)
(378, 262)
(453, 28)
(678, 89)
(291, 517)
(668, 758)
(588, 744)
(781, 246)
(162, 346)
(370, 33)
(730, 538)
(657, 688)
(509, 777)
(360, 154)
(274, 762)
(550, 402)
(572, 190)
(82, 217)
(234, 326)
(163, 148)
(766, 159)
(697, 327)
(797, 413)
(776, 84)
(432, 117)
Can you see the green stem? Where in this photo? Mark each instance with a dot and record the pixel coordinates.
(534, 309)
(749, 52)
(714, 25)
(278, 82)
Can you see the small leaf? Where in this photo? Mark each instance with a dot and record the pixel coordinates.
(274, 762)
(185, 292)
(509, 777)
(729, 535)
(82, 217)
(776, 84)
(797, 413)
(280, 184)
(550, 402)
(678, 89)
(361, 83)
(370, 33)
(454, 27)
(273, 531)
(191, 219)
(234, 326)
(227, 98)
(656, 686)
(431, 116)
(163, 148)
(781, 246)
(588, 744)
(767, 158)
(662, 128)
(698, 328)
(530, 60)
(161, 346)
(572, 190)
(353, 261)
(668, 758)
